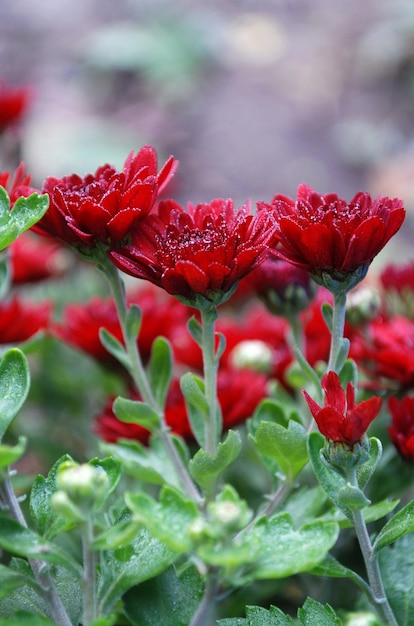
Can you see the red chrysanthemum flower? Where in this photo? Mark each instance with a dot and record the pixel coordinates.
(17, 184)
(333, 239)
(20, 320)
(386, 351)
(33, 259)
(239, 392)
(203, 251)
(401, 430)
(102, 208)
(341, 420)
(13, 104)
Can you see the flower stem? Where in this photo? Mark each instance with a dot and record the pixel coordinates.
(371, 562)
(89, 574)
(137, 371)
(213, 424)
(208, 601)
(40, 568)
(338, 324)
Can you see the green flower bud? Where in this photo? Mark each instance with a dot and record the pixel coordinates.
(85, 485)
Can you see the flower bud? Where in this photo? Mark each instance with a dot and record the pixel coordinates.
(255, 354)
(85, 485)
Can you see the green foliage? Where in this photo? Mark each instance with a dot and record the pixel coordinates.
(311, 614)
(206, 469)
(286, 446)
(136, 412)
(114, 347)
(169, 520)
(23, 541)
(141, 559)
(398, 526)
(397, 568)
(160, 369)
(170, 599)
(14, 386)
(198, 410)
(286, 550)
(24, 214)
(47, 522)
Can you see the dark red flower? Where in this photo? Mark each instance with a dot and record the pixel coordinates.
(20, 320)
(386, 351)
(239, 392)
(16, 184)
(283, 287)
(81, 323)
(102, 208)
(328, 236)
(397, 281)
(33, 259)
(13, 104)
(340, 419)
(402, 426)
(203, 251)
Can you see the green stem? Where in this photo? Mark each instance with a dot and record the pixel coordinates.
(89, 575)
(138, 374)
(338, 324)
(213, 424)
(40, 568)
(208, 601)
(371, 562)
(136, 369)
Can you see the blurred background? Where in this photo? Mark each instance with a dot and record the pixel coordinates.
(253, 97)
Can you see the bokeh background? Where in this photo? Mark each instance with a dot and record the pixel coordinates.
(253, 97)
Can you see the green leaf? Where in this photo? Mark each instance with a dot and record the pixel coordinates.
(286, 446)
(366, 470)
(11, 454)
(327, 313)
(206, 469)
(11, 580)
(24, 214)
(133, 322)
(4, 275)
(114, 347)
(142, 559)
(24, 618)
(14, 386)
(136, 412)
(113, 470)
(258, 616)
(160, 369)
(169, 520)
(334, 569)
(314, 612)
(170, 599)
(371, 513)
(349, 373)
(150, 464)
(23, 541)
(46, 521)
(400, 524)
(192, 388)
(285, 550)
(397, 570)
(195, 330)
(342, 354)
